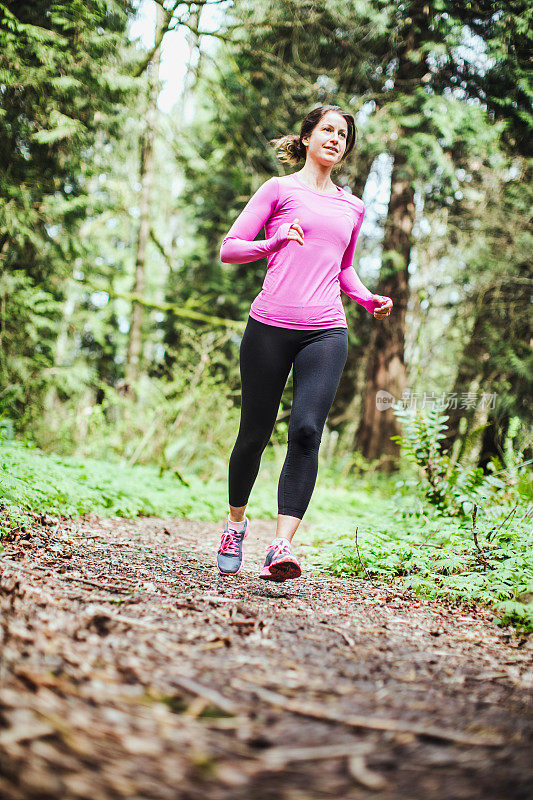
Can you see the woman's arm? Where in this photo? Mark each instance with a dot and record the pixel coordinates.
(238, 246)
(349, 280)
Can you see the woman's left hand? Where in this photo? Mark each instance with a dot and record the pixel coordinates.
(384, 308)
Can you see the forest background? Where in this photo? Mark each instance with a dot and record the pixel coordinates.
(120, 327)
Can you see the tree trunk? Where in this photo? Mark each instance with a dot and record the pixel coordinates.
(385, 371)
(146, 180)
(357, 322)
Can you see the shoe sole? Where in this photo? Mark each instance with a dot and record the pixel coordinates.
(229, 574)
(281, 571)
(266, 575)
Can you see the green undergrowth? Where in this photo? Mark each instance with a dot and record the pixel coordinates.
(438, 557)
(458, 531)
(31, 479)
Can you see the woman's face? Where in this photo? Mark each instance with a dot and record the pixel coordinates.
(327, 142)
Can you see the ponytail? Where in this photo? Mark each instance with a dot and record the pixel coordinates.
(289, 149)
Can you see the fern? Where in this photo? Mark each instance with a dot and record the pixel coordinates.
(421, 443)
(450, 486)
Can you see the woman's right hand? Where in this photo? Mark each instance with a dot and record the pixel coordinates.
(292, 231)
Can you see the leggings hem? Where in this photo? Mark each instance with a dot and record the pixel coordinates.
(290, 512)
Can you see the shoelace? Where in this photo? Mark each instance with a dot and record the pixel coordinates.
(280, 547)
(230, 542)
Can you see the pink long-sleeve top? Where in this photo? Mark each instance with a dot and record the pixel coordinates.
(302, 284)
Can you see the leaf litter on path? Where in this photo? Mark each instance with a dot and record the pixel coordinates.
(130, 668)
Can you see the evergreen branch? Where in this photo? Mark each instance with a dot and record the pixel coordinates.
(36, 32)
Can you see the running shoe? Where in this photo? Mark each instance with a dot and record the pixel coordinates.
(280, 563)
(230, 557)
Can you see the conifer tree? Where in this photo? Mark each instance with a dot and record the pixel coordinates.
(61, 86)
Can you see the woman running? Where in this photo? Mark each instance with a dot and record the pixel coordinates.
(297, 320)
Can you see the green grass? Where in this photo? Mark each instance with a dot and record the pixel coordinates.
(400, 536)
(33, 480)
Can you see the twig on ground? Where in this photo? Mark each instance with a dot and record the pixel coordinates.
(278, 757)
(480, 554)
(60, 576)
(366, 777)
(211, 695)
(426, 544)
(347, 639)
(140, 623)
(316, 711)
(33, 729)
(215, 599)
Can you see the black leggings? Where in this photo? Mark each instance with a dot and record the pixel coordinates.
(266, 356)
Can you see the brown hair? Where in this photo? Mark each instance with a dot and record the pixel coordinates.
(291, 149)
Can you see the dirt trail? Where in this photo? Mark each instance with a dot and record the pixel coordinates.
(131, 669)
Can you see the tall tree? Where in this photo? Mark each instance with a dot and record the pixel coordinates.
(498, 353)
(146, 179)
(61, 85)
(415, 136)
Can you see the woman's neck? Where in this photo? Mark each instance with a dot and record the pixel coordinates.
(316, 177)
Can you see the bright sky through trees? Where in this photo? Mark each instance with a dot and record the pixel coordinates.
(175, 52)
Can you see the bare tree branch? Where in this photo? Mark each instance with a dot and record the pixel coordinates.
(158, 39)
(177, 310)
